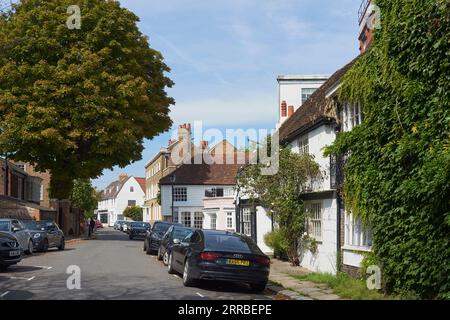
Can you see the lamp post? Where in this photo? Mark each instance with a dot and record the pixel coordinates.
(172, 180)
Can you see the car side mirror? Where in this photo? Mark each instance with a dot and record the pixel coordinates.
(176, 241)
(15, 229)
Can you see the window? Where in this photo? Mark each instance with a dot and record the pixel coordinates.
(179, 194)
(306, 93)
(247, 221)
(351, 115)
(356, 234)
(198, 220)
(314, 212)
(214, 193)
(213, 221)
(303, 145)
(131, 189)
(131, 203)
(229, 220)
(186, 219)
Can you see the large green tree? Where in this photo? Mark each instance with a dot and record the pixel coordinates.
(78, 101)
(397, 177)
(280, 194)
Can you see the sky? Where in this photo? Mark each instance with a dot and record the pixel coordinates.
(225, 56)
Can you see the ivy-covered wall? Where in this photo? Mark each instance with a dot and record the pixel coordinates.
(398, 175)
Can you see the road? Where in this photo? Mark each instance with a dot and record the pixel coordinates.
(112, 268)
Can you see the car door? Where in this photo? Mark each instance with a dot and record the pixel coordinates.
(19, 233)
(51, 234)
(179, 250)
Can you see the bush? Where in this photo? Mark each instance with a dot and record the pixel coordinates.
(134, 213)
(275, 241)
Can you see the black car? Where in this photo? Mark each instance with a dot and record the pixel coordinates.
(138, 229)
(10, 251)
(174, 234)
(155, 235)
(220, 255)
(45, 235)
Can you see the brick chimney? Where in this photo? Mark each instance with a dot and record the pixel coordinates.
(123, 177)
(290, 111)
(204, 144)
(368, 18)
(283, 109)
(184, 131)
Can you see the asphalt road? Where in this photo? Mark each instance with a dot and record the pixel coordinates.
(112, 267)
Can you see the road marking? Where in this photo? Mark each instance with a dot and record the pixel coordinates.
(29, 279)
(4, 294)
(177, 276)
(44, 267)
(22, 278)
(200, 295)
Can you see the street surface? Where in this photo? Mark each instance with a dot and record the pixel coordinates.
(112, 267)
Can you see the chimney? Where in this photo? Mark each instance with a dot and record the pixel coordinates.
(204, 144)
(283, 109)
(123, 177)
(368, 18)
(290, 111)
(184, 131)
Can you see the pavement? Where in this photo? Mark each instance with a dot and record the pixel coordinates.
(283, 282)
(112, 267)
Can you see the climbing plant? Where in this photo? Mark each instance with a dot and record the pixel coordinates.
(398, 174)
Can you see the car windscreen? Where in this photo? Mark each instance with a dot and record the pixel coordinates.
(140, 225)
(230, 243)
(161, 228)
(35, 225)
(180, 234)
(5, 226)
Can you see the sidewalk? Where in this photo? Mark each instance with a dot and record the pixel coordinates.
(280, 275)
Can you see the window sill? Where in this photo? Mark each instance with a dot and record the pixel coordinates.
(357, 248)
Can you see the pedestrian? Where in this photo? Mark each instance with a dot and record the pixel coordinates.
(91, 227)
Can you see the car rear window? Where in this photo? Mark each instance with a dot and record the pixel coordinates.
(230, 243)
(4, 226)
(180, 234)
(161, 227)
(140, 224)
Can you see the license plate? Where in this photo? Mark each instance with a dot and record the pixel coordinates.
(244, 263)
(14, 253)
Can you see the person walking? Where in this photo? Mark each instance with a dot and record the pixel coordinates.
(91, 227)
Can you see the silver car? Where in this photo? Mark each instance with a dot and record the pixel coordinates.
(20, 232)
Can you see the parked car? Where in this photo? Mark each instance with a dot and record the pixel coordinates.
(125, 226)
(154, 236)
(20, 232)
(175, 233)
(98, 224)
(138, 229)
(10, 251)
(118, 225)
(219, 255)
(45, 235)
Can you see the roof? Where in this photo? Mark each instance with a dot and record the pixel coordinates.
(208, 174)
(303, 77)
(115, 187)
(314, 110)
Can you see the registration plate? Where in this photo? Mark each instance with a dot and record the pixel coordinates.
(14, 253)
(244, 263)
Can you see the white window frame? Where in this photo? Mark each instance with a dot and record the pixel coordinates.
(303, 145)
(198, 220)
(247, 221)
(179, 194)
(314, 211)
(230, 220)
(307, 92)
(213, 221)
(185, 218)
(356, 236)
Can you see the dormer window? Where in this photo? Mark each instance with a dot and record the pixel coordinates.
(131, 189)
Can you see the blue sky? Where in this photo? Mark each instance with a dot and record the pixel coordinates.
(225, 56)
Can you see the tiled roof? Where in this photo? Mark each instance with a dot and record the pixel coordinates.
(114, 188)
(205, 174)
(314, 110)
(141, 182)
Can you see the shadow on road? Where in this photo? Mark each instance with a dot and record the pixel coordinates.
(19, 268)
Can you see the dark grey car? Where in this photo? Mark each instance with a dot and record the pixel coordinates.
(20, 232)
(45, 235)
(10, 250)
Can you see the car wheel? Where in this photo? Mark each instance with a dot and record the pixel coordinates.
(62, 245)
(187, 278)
(30, 248)
(170, 268)
(145, 245)
(131, 237)
(159, 257)
(258, 287)
(166, 258)
(45, 246)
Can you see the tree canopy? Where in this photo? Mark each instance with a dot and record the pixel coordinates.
(397, 177)
(84, 196)
(76, 102)
(134, 213)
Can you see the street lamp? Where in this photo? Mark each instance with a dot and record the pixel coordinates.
(172, 180)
